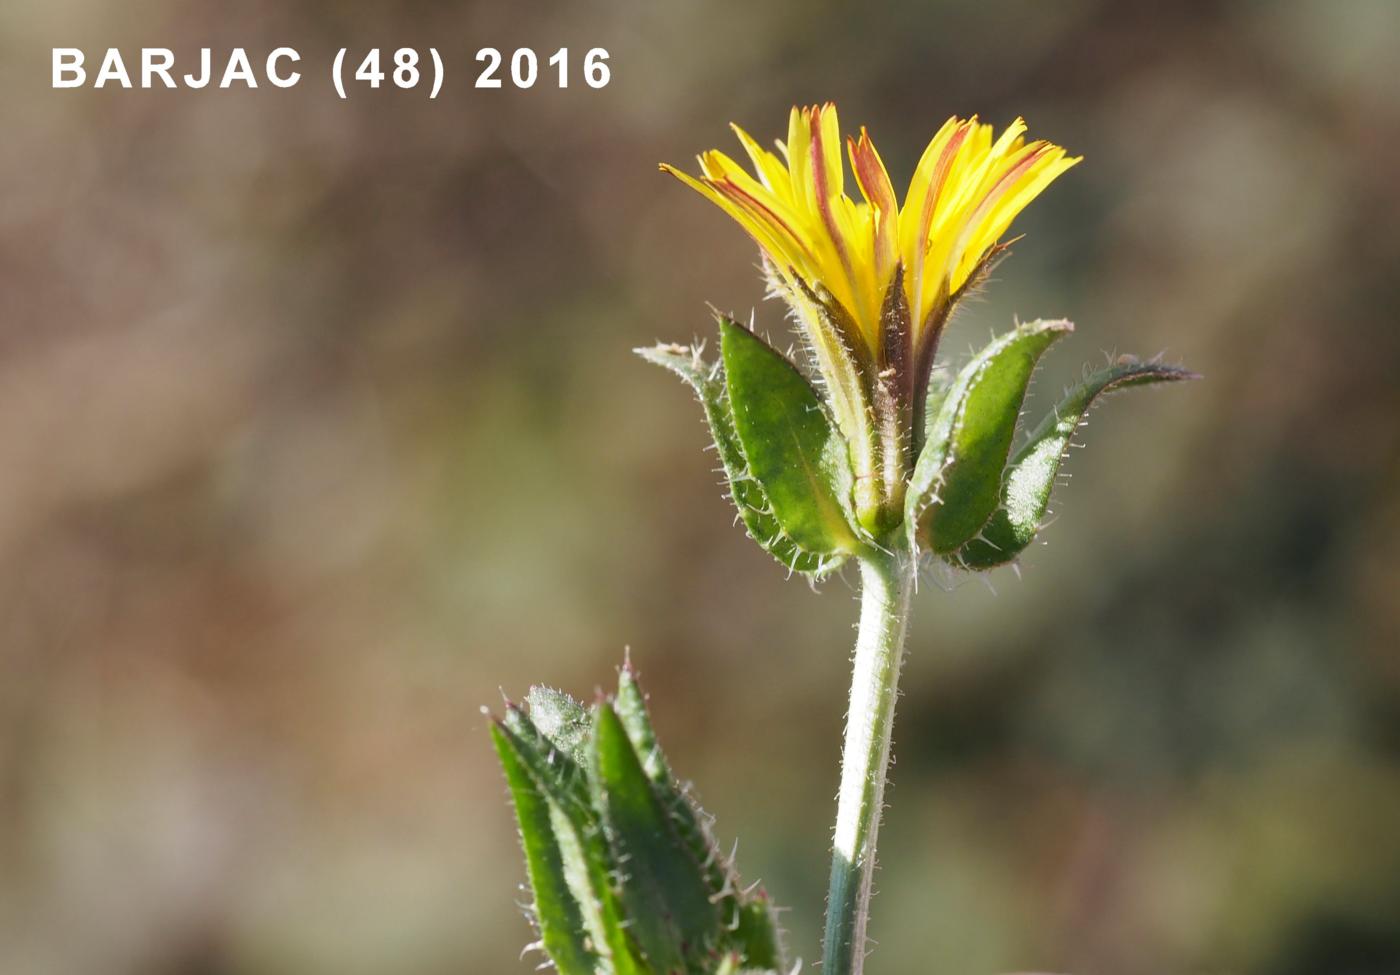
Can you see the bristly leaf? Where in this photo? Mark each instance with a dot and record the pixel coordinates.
(1031, 474)
(587, 860)
(791, 446)
(956, 483)
(663, 889)
(746, 921)
(755, 511)
(557, 913)
(627, 876)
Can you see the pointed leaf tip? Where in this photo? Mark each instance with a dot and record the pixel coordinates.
(631, 707)
(1030, 476)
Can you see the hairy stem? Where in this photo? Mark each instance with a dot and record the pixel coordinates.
(887, 582)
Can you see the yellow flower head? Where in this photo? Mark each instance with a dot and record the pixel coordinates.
(966, 190)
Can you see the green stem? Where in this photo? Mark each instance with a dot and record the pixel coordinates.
(887, 582)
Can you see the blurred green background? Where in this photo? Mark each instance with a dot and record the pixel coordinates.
(319, 430)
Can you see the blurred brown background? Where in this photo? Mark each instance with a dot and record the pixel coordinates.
(319, 428)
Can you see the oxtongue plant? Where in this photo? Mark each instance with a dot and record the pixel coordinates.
(862, 449)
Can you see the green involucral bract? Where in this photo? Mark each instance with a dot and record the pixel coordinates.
(792, 448)
(755, 511)
(956, 483)
(789, 469)
(1030, 476)
(626, 875)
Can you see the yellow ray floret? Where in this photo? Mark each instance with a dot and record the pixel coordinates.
(966, 190)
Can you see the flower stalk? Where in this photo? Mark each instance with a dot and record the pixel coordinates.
(887, 585)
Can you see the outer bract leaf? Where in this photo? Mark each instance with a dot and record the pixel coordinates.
(956, 483)
(557, 913)
(790, 444)
(663, 891)
(1031, 474)
(754, 509)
